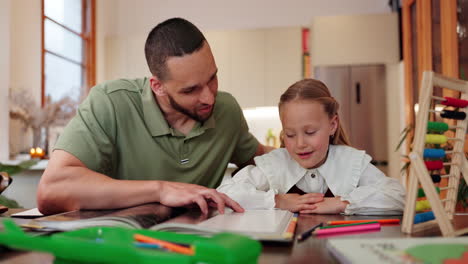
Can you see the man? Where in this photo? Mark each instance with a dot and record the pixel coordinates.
(165, 139)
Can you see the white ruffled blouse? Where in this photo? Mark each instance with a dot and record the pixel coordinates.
(347, 172)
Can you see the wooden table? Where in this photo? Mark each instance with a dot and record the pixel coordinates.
(311, 250)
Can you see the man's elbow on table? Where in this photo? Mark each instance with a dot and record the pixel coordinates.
(52, 198)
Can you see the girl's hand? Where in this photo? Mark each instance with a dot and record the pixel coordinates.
(332, 205)
(297, 203)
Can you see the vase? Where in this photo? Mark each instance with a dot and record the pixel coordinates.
(41, 139)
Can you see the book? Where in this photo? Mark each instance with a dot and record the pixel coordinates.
(400, 250)
(31, 213)
(265, 225)
(143, 216)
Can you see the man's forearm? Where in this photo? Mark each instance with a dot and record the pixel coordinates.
(67, 184)
(75, 188)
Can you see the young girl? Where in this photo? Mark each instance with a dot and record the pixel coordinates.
(317, 159)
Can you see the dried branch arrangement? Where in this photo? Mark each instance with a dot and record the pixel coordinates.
(25, 109)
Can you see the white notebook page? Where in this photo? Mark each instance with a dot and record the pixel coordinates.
(257, 223)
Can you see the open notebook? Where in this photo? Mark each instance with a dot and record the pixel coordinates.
(265, 225)
(400, 250)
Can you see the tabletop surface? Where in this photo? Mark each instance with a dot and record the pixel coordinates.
(312, 249)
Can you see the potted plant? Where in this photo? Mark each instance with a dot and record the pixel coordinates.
(10, 170)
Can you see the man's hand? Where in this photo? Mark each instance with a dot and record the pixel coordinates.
(298, 203)
(176, 194)
(332, 205)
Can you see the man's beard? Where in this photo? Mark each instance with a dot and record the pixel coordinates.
(187, 112)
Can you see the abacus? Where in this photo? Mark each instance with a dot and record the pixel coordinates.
(427, 157)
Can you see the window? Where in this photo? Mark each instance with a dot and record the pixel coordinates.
(68, 49)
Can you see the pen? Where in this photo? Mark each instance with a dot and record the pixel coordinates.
(346, 229)
(381, 221)
(335, 226)
(308, 233)
(165, 244)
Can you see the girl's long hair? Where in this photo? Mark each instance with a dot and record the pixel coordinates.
(314, 90)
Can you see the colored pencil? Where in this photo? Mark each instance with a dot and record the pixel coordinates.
(335, 226)
(381, 221)
(176, 243)
(165, 244)
(347, 229)
(148, 245)
(291, 227)
(308, 233)
(32, 226)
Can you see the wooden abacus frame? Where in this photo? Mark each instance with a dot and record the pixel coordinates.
(418, 172)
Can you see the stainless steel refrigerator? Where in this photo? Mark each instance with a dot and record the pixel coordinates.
(361, 92)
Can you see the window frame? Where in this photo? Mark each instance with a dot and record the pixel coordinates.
(88, 36)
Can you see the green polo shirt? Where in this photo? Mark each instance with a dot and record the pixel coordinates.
(120, 131)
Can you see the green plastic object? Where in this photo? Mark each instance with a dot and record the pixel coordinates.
(422, 194)
(115, 245)
(437, 127)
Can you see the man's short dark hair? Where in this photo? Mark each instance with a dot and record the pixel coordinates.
(174, 37)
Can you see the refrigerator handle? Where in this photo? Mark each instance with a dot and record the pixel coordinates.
(358, 93)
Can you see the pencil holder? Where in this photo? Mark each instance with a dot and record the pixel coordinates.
(117, 245)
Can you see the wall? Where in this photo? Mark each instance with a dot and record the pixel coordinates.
(103, 14)
(364, 39)
(26, 46)
(124, 57)
(5, 7)
(25, 60)
(119, 55)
